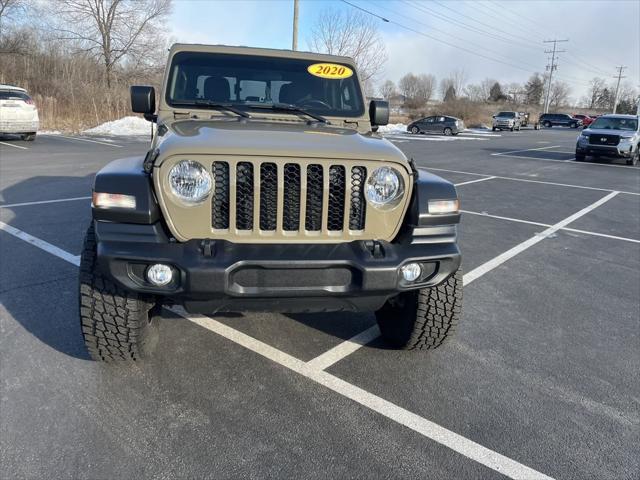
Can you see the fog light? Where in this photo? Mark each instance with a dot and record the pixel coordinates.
(411, 271)
(159, 274)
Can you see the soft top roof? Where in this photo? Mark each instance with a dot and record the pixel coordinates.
(267, 52)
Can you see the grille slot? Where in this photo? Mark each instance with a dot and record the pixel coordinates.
(268, 196)
(220, 197)
(358, 209)
(335, 214)
(244, 196)
(291, 200)
(313, 214)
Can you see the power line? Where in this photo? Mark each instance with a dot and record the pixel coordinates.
(620, 77)
(551, 68)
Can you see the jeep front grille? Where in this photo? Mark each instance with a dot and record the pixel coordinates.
(322, 211)
(282, 200)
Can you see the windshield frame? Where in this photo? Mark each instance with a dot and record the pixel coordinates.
(355, 88)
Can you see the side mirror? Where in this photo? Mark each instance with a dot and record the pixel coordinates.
(378, 113)
(143, 100)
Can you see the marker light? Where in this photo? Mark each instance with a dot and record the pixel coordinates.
(112, 200)
(440, 207)
(159, 274)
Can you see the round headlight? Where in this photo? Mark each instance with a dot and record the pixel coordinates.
(189, 181)
(384, 187)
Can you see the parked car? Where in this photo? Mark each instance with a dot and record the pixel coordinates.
(437, 124)
(507, 121)
(549, 120)
(613, 136)
(18, 113)
(586, 119)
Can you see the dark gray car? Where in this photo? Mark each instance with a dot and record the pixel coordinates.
(549, 120)
(437, 124)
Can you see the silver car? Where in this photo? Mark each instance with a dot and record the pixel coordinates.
(507, 121)
(18, 113)
(614, 136)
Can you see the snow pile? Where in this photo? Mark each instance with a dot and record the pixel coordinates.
(122, 126)
(393, 128)
(49, 132)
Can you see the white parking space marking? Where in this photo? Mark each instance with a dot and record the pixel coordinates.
(421, 425)
(474, 181)
(525, 150)
(512, 252)
(41, 202)
(337, 353)
(46, 246)
(353, 344)
(402, 416)
(88, 140)
(433, 138)
(565, 229)
(567, 160)
(533, 181)
(14, 146)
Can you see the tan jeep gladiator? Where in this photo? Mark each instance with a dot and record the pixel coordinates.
(265, 189)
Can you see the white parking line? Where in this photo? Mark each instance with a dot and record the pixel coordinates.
(328, 358)
(41, 244)
(14, 146)
(533, 181)
(512, 252)
(88, 140)
(353, 344)
(567, 160)
(565, 229)
(525, 150)
(474, 181)
(402, 416)
(40, 202)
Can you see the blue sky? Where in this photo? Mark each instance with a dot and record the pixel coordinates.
(602, 34)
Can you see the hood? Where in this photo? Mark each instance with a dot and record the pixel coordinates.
(259, 138)
(608, 131)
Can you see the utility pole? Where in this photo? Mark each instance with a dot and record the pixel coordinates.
(551, 68)
(294, 45)
(620, 77)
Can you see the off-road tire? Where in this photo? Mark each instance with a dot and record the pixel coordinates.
(116, 324)
(29, 137)
(422, 319)
(415, 130)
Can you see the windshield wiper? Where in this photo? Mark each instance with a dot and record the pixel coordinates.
(286, 107)
(216, 105)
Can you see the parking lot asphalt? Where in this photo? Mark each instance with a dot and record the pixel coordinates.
(540, 380)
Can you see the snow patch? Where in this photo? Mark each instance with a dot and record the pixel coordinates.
(123, 126)
(49, 132)
(392, 128)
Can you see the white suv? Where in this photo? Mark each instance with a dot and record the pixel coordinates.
(18, 113)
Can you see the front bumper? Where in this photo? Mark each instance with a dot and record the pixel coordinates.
(218, 275)
(622, 150)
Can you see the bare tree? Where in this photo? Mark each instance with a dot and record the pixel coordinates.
(475, 93)
(559, 94)
(388, 89)
(426, 87)
(113, 31)
(596, 87)
(351, 34)
(459, 79)
(445, 85)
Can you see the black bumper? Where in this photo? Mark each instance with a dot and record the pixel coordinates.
(215, 275)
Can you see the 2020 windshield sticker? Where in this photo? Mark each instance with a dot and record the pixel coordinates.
(331, 71)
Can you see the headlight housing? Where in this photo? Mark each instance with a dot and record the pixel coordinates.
(190, 182)
(384, 188)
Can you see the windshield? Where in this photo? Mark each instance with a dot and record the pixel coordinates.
(246, 80)
(507, 114)
(615, 124)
